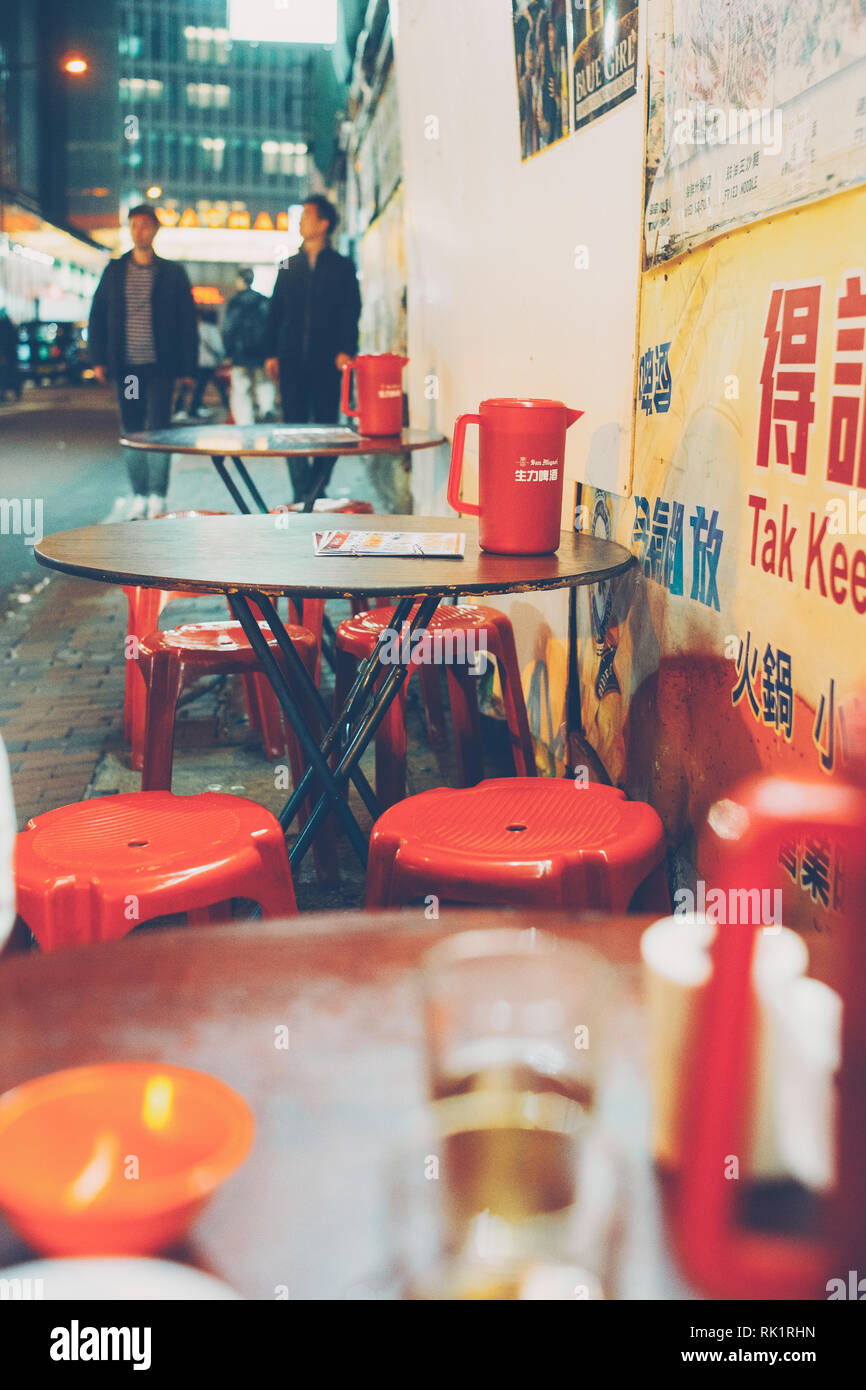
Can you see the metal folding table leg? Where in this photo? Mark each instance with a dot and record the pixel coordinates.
(219, 465)
(364, 681)
(359, 736)
(302, 677)
(244, 474)
(331, 790)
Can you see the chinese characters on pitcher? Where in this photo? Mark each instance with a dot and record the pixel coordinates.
(536, 470)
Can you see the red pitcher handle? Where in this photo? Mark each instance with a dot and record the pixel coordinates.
(344, 400)
(454, 498)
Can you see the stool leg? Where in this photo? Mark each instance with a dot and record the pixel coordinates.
(463, 696)
(273, 733)
(148, 606)
(163, 677)
(251, 700)
(132, 596)
(274, 889)
(501, 638)
(313, 619)
(380, 866)
(431, 688)
(391, 752)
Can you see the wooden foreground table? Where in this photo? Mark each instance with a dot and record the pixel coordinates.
(309, 1211)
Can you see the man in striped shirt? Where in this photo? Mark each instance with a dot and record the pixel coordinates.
(144, 334)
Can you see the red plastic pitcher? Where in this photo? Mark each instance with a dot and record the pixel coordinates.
(725, 1259)
(521, 459)
(380, 392)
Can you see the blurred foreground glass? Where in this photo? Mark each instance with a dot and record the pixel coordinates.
(517, 1186)
(515, 1011)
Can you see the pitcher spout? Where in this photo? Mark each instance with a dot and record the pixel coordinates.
(571, 416)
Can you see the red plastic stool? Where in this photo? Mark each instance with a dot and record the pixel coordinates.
(521, 841)
(356, 638)
(143, 609)
(169, 660)
(94, 870)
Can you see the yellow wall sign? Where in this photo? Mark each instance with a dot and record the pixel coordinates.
(744, 644)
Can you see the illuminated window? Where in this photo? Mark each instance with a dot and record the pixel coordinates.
(270, 156)
(203, 44)
(200, 94)
(214, 153)
(221, 94)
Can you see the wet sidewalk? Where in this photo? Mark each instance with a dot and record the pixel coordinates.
(61, 695)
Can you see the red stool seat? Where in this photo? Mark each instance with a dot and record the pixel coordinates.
(168, 660)
(356, 639)
(94, 870)
(516, 841)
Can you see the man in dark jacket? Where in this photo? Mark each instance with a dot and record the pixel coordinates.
(144, 335)
(312, 333)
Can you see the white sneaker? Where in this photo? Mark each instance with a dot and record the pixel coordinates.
(119, 510)
(155, 505)
(138, 509)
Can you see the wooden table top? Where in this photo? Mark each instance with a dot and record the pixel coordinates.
(309, 1209)
(274, 555)
(276, 441)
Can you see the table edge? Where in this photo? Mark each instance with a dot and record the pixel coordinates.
(377, 589)
(323, 451)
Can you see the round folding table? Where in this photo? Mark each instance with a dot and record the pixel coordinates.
(255, 560)
(237, 442)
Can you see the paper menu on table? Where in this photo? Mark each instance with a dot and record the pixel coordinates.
(440, 545)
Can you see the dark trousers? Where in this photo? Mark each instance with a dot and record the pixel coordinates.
(203, 378)
(144, 396)
(309, 396)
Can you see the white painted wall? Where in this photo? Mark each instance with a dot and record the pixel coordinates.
(496, 305)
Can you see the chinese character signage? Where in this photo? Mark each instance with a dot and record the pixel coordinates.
(753, 107)
(738, 642)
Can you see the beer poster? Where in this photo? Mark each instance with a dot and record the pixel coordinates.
(605, 56)
(541, 60)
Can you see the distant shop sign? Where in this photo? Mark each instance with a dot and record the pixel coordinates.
(216, 218)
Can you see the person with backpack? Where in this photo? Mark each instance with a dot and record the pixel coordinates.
(245, 329)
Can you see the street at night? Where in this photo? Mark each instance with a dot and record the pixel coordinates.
(432, 672)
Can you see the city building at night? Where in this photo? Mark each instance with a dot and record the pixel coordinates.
(59, 177)
(215, 131)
